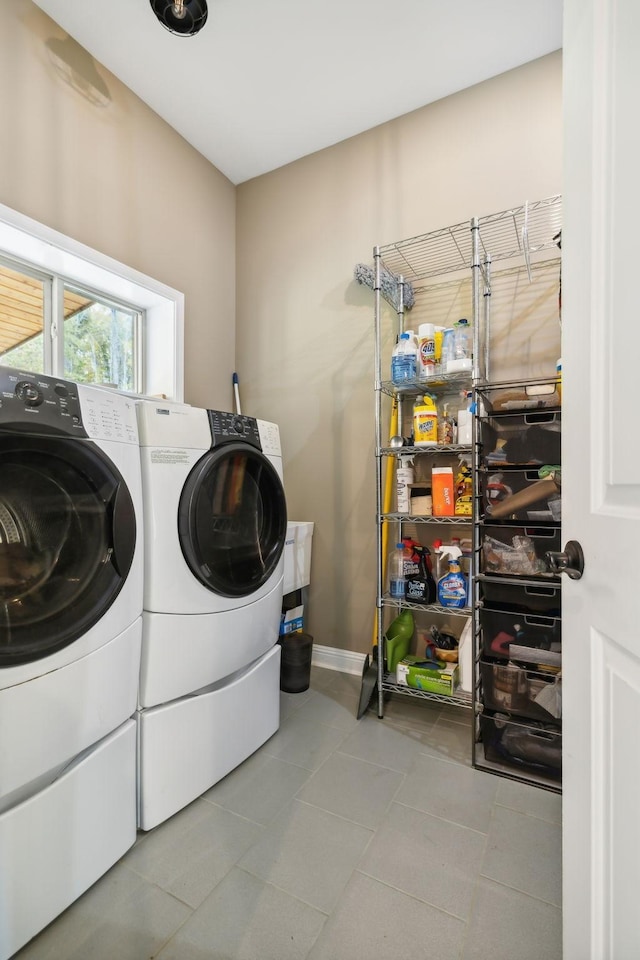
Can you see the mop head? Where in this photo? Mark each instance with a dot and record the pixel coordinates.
(389, 286)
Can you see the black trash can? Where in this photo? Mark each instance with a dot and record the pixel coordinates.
(295, 664)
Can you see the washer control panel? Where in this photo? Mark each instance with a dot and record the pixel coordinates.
(38, 404)
(226, 427)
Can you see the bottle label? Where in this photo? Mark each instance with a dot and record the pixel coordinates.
(425, 427)
(403, 368)
(397, 589)
(427, 358)
(404, 476)
(452, 591)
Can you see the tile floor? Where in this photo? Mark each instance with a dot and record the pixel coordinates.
(338, 840)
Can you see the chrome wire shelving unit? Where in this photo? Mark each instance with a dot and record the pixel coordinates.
(445, 248)
(458, 260)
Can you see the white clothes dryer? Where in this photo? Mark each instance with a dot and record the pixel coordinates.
(215, 527)
(71, 584)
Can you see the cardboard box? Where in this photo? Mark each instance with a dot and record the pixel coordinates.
(420, 504)
(414, 672)
(297, 555)
(442, 491)
(291, 621)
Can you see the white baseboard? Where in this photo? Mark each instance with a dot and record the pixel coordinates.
(331, 658)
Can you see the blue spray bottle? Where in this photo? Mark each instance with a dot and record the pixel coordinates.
(452, 588)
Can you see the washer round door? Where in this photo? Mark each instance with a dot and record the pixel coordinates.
(67, 540)
(232, 520)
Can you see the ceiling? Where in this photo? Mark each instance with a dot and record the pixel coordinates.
(265, 83)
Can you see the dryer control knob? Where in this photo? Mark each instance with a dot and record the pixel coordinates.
(27, 391)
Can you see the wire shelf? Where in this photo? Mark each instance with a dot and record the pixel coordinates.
(420, 387)
(431, 254)
(525, 231)
(459, 698)
(410, 518)
(388, 601)
(438, 448)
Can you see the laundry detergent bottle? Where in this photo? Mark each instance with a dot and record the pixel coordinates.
(452, 588)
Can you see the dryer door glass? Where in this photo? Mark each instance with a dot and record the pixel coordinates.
(67, 536)
(232, 520)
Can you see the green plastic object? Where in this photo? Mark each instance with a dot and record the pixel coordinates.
(398, 639)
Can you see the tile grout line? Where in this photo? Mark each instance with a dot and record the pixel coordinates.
(412, 896)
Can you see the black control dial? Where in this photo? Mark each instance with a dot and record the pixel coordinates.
(29, 393)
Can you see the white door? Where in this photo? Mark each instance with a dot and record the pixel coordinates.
(601, 479)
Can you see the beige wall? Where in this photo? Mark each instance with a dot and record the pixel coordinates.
(119, 179)
(305, 328)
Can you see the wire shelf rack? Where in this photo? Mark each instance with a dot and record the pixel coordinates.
(525, 231)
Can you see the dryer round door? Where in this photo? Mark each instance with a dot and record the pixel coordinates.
(67, 540)
(232, 520)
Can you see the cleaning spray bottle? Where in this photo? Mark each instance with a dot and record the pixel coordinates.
(420, 585)
(404, 479)
(452, 588)
(442, 552)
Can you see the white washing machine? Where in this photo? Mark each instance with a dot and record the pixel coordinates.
(71, 583)
(215, 527)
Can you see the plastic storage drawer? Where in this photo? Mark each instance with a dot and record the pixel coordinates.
(497, 487)
(519, 397)
(520, 439)
(518, 551)
(539, 598)
(532, 748)
(527, 693)
(521, 636)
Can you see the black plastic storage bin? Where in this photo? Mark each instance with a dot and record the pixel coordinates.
(516, 689)
(295, 664)
(518, 551)
(542, 598)
(496, 487)
(521, 636)
(520, 438)
(527, 747)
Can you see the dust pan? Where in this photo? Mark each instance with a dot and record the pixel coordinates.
(369, 686)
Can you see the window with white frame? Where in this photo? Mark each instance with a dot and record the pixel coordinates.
(68, 311)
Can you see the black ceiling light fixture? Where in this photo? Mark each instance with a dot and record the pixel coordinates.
(185, 18)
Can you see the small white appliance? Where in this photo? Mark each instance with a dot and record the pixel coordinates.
(71, 584)
(215, 527)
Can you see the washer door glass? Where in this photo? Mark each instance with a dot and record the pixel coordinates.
(67, 538)
(232, 520)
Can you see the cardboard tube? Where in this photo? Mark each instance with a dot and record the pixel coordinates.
(540, 490)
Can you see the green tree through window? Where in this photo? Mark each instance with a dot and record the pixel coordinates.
(99, 346)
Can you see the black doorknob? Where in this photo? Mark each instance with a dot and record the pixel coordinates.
(570, 561)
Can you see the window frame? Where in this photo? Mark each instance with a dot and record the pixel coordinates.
(46, 253)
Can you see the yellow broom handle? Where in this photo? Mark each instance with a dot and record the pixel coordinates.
(386, 504)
